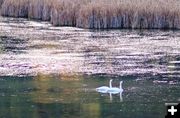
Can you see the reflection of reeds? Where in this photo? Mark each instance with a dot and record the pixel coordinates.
(98, 13)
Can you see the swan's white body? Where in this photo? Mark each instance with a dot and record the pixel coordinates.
(104, 89)
(115, 90)
(111, 90)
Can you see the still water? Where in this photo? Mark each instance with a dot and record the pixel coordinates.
(75, 97)
(52, 72)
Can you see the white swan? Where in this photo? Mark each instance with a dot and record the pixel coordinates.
(104, 89)
(115, 90)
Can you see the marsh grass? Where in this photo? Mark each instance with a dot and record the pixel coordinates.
(99, 14)
(1, 2)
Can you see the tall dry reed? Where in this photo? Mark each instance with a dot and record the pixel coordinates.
(1, 2)
(99, 14)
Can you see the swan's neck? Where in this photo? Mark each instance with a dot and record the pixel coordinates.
(120, 86)
(110, 84)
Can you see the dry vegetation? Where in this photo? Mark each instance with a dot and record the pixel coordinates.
(1, 2)
(98, 13)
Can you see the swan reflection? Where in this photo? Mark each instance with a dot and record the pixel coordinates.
(120, 96)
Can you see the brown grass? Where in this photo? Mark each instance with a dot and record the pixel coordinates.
(1, 2)
(99, 14)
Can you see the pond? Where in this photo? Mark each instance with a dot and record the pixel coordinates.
(52, 72)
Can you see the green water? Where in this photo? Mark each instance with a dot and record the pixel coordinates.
(52, 72)
(52, 96)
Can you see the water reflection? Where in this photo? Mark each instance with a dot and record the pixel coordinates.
(51, 89)
(120, 96)
(53, 96)
(48, 49)
(12, 45)
(48, 71)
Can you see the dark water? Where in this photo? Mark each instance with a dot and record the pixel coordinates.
(52, 72)
(75, 97)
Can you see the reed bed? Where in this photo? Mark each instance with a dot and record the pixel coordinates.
(98, 14)
(1, 2)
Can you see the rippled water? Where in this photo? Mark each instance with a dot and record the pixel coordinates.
(28, 48)
(48, 71)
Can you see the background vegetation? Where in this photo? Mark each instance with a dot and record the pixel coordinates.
(103, 14)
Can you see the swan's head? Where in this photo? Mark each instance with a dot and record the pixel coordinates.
(111, 80)
(121, 82)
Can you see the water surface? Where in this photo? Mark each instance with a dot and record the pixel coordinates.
(75, 97)
(48, 71)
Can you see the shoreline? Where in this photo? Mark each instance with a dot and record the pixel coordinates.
(98, 14)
